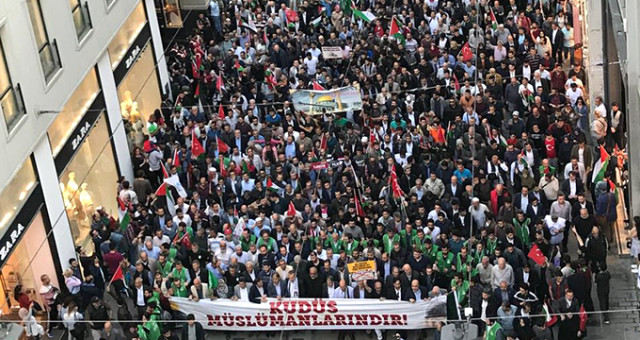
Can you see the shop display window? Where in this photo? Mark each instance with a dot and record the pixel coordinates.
(90, 182)
(139, 94)
(15, 193)
(73, 111)
(171, 12)
(127, 35)
(31, 258)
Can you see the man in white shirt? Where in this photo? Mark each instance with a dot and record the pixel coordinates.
(293, 285)
(311, 62)
(241, 290)
(344, 291)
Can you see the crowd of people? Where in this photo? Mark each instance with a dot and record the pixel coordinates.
(475, 145)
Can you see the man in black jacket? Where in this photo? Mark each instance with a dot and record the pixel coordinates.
(193, 329)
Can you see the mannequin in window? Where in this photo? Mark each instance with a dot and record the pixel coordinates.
(137, 125)
(126, 105)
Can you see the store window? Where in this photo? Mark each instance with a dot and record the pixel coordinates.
(171, 13)
(15, 193)
(139, 94)
(73, 111)
(127, 35)
(89, 182)
(31, 258)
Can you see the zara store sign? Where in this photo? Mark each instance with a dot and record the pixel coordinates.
(14, 236)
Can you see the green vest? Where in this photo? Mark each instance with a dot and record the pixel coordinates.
(246, 244)
(165, 268)
(445, 263)
(522, 230)
(349, 249)
(271, 245)
(461, 291)
(388, 244)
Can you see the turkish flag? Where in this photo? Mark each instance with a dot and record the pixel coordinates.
(196, 146)
(292, 210)
(222, 146)
(536, 255)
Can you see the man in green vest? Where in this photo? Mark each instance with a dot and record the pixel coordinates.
(389, 239)
(349, 244)
(521, 224)
(247, 240)
(335, 243)
(406, 236)
(267, 240)
(445, 261)
(164, 266)
(430, 250)
(179, 288)
(180, 273)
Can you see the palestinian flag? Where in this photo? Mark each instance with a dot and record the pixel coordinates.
(223, 168)
(359, 209)
(196, 94)
(270, 79)
(492, 332)
(396, 30)
(346, 7)
(323, 142)
(222, 146)
(171, 203)
(247, 167)
(523, 159)
(548, 320)
(449, 131)
(315, 22)
(366, 16)
(248, 24)
(196, 146)
(125, 216)
(601, 166)
(176, 159)
(494, 21)
(272, 186)
(220, 84)
(164, 170)
(317, 87)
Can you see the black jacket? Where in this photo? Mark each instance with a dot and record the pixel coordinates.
(199, 331)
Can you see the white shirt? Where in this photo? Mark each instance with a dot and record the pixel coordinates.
(293, 288)
(311, 65)
(244, 294)
(140, 297)
(399, 293)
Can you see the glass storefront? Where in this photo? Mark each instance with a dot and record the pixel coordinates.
(13, 195)
(139, 94)
(31, 258)
(73, 111)
(171, 13)
(127, 35)
(89, 182)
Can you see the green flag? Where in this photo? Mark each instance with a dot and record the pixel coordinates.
(213, 281)
(345, 6)
(124, 222)
(492, 332)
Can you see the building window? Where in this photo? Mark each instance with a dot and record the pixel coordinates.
(81, 17)
(10, 95)
(48, 50)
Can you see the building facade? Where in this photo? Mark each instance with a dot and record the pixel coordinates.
(79, 80)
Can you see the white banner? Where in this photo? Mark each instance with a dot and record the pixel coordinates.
(332, 52)
(319, 314)
(330, 101)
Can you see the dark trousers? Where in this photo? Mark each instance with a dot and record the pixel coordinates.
(141, 311)
(603, 300)
(53, 316)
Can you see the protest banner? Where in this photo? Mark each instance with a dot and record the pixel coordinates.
(319, 314)
(363, 270)
(331, 101)
(332, 52)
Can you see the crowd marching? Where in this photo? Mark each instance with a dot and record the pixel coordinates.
(474, 160)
